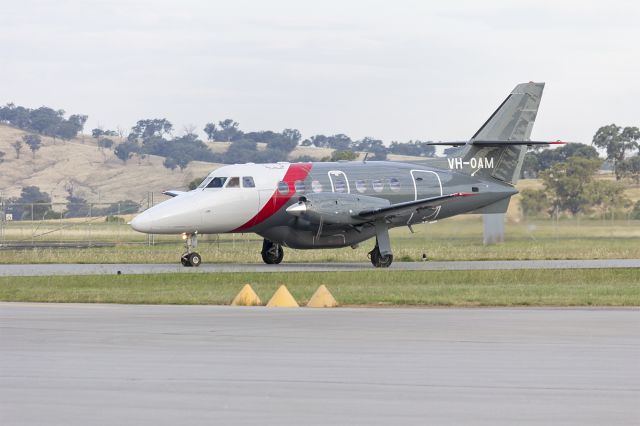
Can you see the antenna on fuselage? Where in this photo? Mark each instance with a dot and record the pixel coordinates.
(366, 154)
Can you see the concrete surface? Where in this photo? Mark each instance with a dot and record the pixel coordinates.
(107, 269)
(192, 365)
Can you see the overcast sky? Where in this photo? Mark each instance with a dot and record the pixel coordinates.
(395, 70)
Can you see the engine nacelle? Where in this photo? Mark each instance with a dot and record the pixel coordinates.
(335, 208)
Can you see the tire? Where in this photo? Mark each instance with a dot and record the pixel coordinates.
(185, 261)
(195, 259)
(378, 260)
(268, 255)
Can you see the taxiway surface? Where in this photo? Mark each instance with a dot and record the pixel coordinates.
(147, 268)
(167, 365)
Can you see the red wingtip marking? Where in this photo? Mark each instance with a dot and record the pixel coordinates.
(463, 194)
(557, 143)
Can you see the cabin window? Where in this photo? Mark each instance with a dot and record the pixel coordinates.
(234, 182)
(316, 186)
(300, 187)
(247, 182)
(361, 185)
(283, 187)
(378, 185)
(217, 182)
(340, 186)
(394, 184)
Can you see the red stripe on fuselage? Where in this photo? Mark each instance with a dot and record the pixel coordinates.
(298, 171)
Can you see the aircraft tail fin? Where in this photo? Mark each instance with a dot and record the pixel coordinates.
(498, 148)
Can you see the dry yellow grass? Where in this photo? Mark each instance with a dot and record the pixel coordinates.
(95, 174)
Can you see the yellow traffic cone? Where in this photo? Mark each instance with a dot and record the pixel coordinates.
(282, 299)
(322, 298)
(246, 297)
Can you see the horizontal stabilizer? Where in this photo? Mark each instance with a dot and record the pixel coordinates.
(498, 143)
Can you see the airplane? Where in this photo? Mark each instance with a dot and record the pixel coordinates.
(320, 205)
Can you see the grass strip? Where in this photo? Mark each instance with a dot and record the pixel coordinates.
(577, 287)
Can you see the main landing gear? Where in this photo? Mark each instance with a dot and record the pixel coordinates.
(190, 258)
(381, 255)
(272, 253)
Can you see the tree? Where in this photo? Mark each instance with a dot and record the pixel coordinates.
(347, 155)
(151, 128)
(105, 143)
(1, 157)
(211, 130)
(78, 121)
(17, 146)
(33, 142)
(533, 202)
(617, 142)
(230, 130)
(566, 183)
(194, 183)
(32, 204)
(630, 168)
(605, 195)
(125, 150)
(539, 159)
(97, 132)
(635, 213)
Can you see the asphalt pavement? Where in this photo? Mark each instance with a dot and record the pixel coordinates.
(75, 364)
(147, 268)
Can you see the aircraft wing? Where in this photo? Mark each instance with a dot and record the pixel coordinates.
(409, 207)
(173, 193)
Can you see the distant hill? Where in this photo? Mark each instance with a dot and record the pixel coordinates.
(97, 175)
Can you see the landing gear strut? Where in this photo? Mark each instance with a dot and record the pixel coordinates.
(381, 255)
(272, 253)
(189, 257)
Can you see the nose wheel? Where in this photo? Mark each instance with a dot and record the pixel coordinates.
(272, 253)
(190, 257)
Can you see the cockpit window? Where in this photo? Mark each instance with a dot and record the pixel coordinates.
(217, 182)
(234, 182)
(247, 182)
(205, 182)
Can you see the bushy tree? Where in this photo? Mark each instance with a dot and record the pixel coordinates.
(566, 183)
(414, 148)
(17, 146)
(605, 195)
(149, 129)
(630, 168)
(617, 142)
(347, 155)
(125, 150)
(33, 142)
(533, 202)
(542, 159)
(32, 201)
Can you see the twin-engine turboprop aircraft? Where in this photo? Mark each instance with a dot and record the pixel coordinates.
(331, 205)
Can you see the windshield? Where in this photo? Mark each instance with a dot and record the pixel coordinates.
(204, 183)
(217, 182)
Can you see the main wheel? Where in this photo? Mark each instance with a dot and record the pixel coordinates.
(378, 260)
(195, 259)
(272, 253)
(185, 261)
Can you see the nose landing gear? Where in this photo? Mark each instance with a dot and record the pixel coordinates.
(190, 258)
(272, 253)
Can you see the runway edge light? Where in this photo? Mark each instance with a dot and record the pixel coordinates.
(246, 297)
(282, 299)
(322, 298)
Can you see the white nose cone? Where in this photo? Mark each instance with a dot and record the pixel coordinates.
(142, 222)
(297, 209)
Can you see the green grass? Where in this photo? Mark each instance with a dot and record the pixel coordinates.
(451, 239)
(581, 287)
